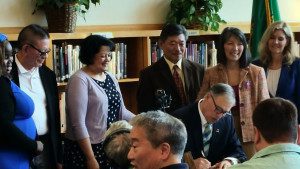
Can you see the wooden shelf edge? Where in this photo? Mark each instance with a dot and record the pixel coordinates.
(128, 80)
(137, 30)
(62, 85)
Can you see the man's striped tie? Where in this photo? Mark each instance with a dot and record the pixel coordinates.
(206, 137)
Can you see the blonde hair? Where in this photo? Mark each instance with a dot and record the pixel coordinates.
(289, 53)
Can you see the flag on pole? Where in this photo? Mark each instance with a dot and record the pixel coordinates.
(264, 12)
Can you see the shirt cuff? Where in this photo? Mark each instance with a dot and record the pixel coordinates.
(232, 160)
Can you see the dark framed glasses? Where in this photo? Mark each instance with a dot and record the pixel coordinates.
(42, 53)
(218, 109)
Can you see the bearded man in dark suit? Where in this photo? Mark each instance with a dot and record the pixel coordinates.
(176, 77)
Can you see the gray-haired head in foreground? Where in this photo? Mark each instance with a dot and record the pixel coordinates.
(117, 143)
(161, 128)
(117, 126)
(222, 89)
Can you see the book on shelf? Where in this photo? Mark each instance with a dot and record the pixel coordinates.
(118, 64)
(65, 61)
(62, 76)
(62, 109)
(55, 60)
(156, 52)
(204, 53)
(125, 62)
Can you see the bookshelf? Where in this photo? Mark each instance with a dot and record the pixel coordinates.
(138, 39)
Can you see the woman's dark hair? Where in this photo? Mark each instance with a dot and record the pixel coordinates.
(91, 45)
(227, 33)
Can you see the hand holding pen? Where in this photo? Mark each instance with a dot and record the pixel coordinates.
(202, 162)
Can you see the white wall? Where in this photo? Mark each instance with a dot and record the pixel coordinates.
(17, 13)
(241, 10)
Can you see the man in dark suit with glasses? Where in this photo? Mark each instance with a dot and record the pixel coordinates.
(217, 145)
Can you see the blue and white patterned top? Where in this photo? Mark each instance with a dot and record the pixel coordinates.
(114, 101)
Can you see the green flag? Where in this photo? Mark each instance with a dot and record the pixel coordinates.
(264, 12)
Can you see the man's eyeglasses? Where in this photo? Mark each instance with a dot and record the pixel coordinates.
(218, 109)
(41, 52)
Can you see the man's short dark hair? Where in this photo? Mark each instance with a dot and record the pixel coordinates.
(31, 33)
(276, 119)
(172, 29)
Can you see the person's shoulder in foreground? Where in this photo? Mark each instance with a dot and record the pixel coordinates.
(276, 133)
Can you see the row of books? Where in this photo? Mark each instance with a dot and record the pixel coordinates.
(203, 53)
(66, 61)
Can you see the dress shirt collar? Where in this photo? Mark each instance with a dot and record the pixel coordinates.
(170, 64)
(203, 120)
(22, 70)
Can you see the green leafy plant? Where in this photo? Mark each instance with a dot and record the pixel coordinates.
(196, 14)
(81, 5)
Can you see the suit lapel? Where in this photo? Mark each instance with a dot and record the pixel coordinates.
(283, 80)
(166, 74)
(214, 138)
(186, 70)
(243, 75)
(45, 82)
(222, 74)
(196, 125)
(43, 79)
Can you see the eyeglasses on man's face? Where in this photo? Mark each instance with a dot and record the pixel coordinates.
(218, 109)
(42, 53)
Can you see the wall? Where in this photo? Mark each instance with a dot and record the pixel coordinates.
(17, 13)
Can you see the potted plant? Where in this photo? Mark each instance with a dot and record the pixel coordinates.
(196, 14)
(61, 15)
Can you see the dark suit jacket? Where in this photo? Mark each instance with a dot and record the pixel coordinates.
(11, 137)
(159, 76)
(289, 82)
(223, 143)
(50, 86)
